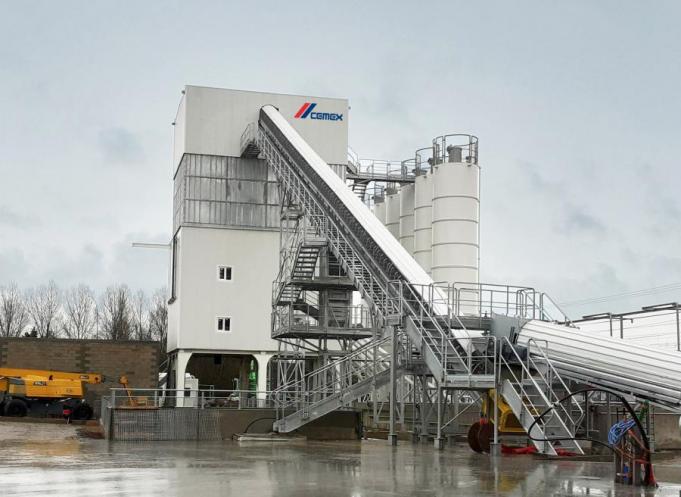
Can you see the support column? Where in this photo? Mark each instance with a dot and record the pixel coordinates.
(495, 449)
(392, 434)
(181, 360)
(263, 359)
(374, 395)
(439, 441)
(456, 394)
(425, 409)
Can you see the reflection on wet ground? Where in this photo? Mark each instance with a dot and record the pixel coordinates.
(72, 466)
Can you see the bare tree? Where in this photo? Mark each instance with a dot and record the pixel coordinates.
(43, 305)
(140, 305)
(80, 312)
(13, 313)
(115, 314)
(158, 319)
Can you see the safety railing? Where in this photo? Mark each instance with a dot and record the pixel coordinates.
(485, 299)
(538, 360)
(311, 318)
(423, 160)
(430, 312)
(353, 161)
(334, 378)
(536, 383)
(158, 398)
(303, 232)
(248, 137)
(455, 148)
(383, 170)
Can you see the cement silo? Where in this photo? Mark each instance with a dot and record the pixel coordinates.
(379, 208)
(456, 209)
(423, 219)
(392, 212)
(407, 218)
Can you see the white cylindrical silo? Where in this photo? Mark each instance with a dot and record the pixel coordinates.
(423, 219)
(392, 213)
(407, 218)
(379, 209)
(456, 217)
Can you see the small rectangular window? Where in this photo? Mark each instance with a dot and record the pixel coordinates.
(224, 324)
(224, 273)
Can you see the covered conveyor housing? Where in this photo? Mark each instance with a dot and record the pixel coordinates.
(422, 332)
(610, 363)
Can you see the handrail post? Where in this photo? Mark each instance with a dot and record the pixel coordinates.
(678, 329)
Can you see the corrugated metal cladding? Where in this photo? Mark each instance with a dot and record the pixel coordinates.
(225, 191)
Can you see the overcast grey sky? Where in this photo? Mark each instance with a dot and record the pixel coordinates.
(576, 105)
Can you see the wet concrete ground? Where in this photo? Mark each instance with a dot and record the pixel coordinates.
(42, 460)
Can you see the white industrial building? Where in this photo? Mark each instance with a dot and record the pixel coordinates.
(225, 247)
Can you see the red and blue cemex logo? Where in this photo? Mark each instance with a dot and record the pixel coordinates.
(307, 110)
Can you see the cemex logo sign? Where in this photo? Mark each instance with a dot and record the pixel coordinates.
(307, 110)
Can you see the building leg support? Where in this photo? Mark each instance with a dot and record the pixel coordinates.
(263, 361)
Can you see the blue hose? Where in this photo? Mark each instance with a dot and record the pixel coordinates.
(618, 430)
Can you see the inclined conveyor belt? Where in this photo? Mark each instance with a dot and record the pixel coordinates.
(610, 363)
(385, 252)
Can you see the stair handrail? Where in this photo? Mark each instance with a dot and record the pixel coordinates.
(288, 257)
(347, 357)
(555, 375)
(303, 232)
(527, 375)
(424, 313)
(328, 387)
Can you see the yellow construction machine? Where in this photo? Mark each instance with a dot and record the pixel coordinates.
(45, 392)
(480, 432)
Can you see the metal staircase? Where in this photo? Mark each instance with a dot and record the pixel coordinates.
(359, 187)
(532, 386)
(454, 365)
(298, 264)
(302, 269)
(334, 386)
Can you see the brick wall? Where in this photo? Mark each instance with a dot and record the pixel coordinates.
(137, 360)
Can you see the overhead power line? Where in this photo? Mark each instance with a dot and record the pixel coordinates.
(616, 296)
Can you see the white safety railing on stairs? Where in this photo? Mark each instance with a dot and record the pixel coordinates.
(534, 378)
(334, 378)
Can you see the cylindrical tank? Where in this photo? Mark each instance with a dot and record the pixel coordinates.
(423, 219)
(379, 209)
(456, 216)
(407, 218)
(392, 213)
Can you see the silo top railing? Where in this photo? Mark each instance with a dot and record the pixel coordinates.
(455, 148)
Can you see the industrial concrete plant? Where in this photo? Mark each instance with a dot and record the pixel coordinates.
(311, 281)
